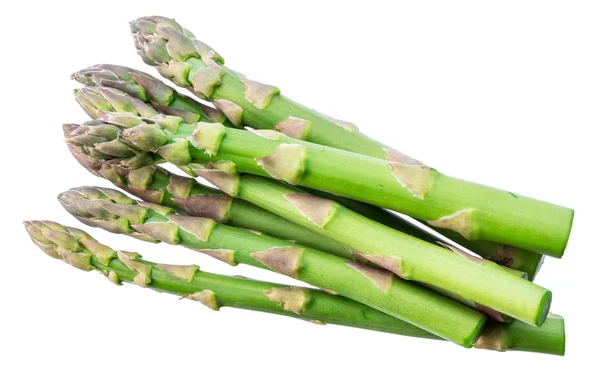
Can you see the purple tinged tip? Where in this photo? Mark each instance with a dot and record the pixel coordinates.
(69, 128)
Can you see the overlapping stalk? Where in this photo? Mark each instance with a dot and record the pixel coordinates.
(399, 183)
(215, 291)
(115, 212)
(101, 101)
(504, 255)
(134, 143)
(273, 154)
(473, 279)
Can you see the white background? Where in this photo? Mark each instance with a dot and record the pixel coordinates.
(502, 93)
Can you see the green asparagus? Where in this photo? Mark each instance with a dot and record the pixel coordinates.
(134, 143)
(82, 251)
(115, 212)
(101, 102)
(408, 257)
(270, 153)
(508, 256)
(395, 181)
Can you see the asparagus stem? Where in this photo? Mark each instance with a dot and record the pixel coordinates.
(505, 255)
(96, 101)
(199, 68)
(308, 304)
(466, 207)
(517, 336)
(237, 292)
(508, 256)
(402, 183)
(408, 257)
(113, 211)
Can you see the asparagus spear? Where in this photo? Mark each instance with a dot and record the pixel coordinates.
(82, 251)
(504, 337)
(401, 183)
(504, 255)
(115, 212)
(157, 185)
(314, 166)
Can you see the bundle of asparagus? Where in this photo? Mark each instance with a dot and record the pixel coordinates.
(375, 269)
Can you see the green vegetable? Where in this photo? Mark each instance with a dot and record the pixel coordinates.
(508, 256)
(82, 251)
(115, 212)
(135, 143)
(471, 278)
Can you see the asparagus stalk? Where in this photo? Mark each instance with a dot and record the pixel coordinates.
(157, 185)
(79, 249)
(82, 251)
(191, 64)
(113, 211)
(299, 163)
(504, 337)
(96, 101)
(504, 255)
(472, 278)
(400, 183)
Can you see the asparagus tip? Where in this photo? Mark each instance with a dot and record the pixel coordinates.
(69, 128)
